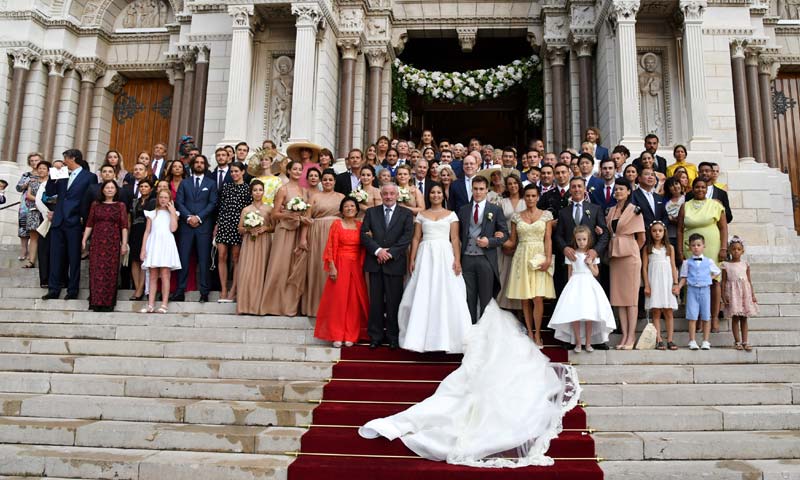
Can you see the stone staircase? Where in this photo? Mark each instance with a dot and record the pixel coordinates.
(201, 393)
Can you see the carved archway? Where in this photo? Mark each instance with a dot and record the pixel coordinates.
(94, 12)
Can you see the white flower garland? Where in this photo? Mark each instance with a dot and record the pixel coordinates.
(469, 86)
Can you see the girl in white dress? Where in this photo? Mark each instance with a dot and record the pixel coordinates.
(583, 307)
(159, 253)
(660, 279)
(433, 314)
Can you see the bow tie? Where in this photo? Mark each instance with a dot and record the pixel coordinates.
(697, 259)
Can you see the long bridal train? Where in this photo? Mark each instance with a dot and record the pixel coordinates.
(500, 408)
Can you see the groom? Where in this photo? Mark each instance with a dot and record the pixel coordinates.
(479, 222)
(386, 234)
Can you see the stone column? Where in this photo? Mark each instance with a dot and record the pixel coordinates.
(23, 58)
(308, 17)
(583, 48)
(57, 66)
(623, 12)
(89, 73)
(557, 56)
(188, 94)
(743, 140)
(754, 104)
(765, 69)
(694, 66)
(241, 70)
(376, 58)
(197, 121)
(349, 49)
(176, 75)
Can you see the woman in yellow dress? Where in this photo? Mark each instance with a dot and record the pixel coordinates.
(531, 277)
(679, 152)
(263, 172)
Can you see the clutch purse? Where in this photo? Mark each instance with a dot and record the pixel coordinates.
(536, 261)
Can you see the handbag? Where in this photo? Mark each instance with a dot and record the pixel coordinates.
(647, 340)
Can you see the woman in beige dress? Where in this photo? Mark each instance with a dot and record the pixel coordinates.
(415, 202)
(282, 294)
(626, 223)
(254, 255)
(373, 194)
(313, 238)
(511, 203)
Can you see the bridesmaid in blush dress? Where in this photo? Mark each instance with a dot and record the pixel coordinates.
(254, 256)
(282, 297)
(344, 305)
(324, 211)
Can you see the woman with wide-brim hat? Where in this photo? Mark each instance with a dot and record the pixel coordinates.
(259, 166)
(308, 154)
(496, 177)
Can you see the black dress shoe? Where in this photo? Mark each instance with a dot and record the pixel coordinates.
(50, 296)
(374, 344)
(394, 345)
(203, 298)
(177, 297)
(71, 296)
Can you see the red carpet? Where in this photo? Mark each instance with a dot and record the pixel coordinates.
(354, 381)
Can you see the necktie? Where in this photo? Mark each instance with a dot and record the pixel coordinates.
(221, 177)
(155, 169)
(563, 190)
(475, 215)
(197, 183)
(608, 194)
(576, 213)
(468, 182)
(421, 188)
(387, 216)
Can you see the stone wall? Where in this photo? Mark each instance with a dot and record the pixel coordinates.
(32, 112)
(67, 114)
(327, 89)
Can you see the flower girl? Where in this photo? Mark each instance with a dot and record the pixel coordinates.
(159, 253)
(582, 305)
(660, 281)
(738, 295)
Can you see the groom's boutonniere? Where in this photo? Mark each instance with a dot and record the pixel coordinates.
(490, 216)
(587, 212)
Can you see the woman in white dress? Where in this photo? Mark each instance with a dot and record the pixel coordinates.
(500, 408)
(433, 314)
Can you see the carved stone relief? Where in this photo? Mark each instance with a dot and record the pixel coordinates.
(143, 14)
(653, 88)
(789, 9)
(376, 28)
(280, 110)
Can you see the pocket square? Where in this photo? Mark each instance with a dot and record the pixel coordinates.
(205, 189)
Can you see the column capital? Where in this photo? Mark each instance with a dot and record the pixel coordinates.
(693, 10)
(202, 53)
(467, 36)
(308, 14)
(116, 83)
(624, 10)
(175, 72)
(349, 47)
(584, 45)
(557, 54)
(23, 57)
(376, 56)
(57, 64)
(738, 46)
(188, 57)
(90, 71)
(241, 15)
(768, 65)
(751, 56)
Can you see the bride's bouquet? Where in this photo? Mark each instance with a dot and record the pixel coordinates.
(297, 204)
(253, 220)
(359, 195)
(404, 196)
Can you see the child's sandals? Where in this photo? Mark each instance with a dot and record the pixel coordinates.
(162, 309)
(672, 346)
(738, 346)
(660, 345)
(147, 309)
(747, 347)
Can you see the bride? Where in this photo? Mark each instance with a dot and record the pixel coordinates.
(433, 314)
(500, 408)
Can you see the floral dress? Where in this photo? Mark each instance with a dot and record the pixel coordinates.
(271, 185)
(107, 220)
(24, 205)
(233, 198)
(34, 217)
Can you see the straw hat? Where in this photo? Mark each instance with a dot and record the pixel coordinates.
(254, 161)
(293, 150)
(488, 172)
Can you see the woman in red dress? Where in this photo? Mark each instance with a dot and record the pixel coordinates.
(344, 305)
(108, 227)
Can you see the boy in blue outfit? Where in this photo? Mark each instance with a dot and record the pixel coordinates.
(698, 272)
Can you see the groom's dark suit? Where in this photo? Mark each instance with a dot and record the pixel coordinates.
(386, 279)
(593, 216)
(479, 265)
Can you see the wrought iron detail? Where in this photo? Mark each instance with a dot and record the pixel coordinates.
(781, 103)
(126, 107)
(163, 107)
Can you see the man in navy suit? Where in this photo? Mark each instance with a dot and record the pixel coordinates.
(652, 204)
(461, 189)
(592, 136)
(651, 145)
(603, 196)
(586, 167)
(196, 200)
(222, 174)
(66, 229)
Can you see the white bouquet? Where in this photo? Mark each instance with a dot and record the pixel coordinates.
(297, 204)
(404, 195)
(253, 220)
(359, 195)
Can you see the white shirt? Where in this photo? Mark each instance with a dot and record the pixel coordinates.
(156, 166)
(392, 211)
(710, 191)
(481, 208)
(650, 199)
(468, 184)
(579, 206)
(420, 185)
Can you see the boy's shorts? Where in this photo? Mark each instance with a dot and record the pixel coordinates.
(698, 303)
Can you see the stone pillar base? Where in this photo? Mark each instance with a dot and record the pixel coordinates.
(704, 144)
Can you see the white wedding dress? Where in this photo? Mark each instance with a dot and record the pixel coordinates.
(500, 408)
(433, 314)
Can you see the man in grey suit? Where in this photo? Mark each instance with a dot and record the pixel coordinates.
(480, 221)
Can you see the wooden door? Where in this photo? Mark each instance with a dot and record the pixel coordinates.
(141, 117)
(785, 98)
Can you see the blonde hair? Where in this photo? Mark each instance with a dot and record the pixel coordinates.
(582, 229)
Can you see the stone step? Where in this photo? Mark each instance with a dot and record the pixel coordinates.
(739, 445)
(204, 350)
(706, 469)
(160, 410)
(684, 356)
(149, 436)
(684, 374)
(691, 394)
(693, 418)
(130, 464)
(166, 367)
(160, 387)
(767, 338)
